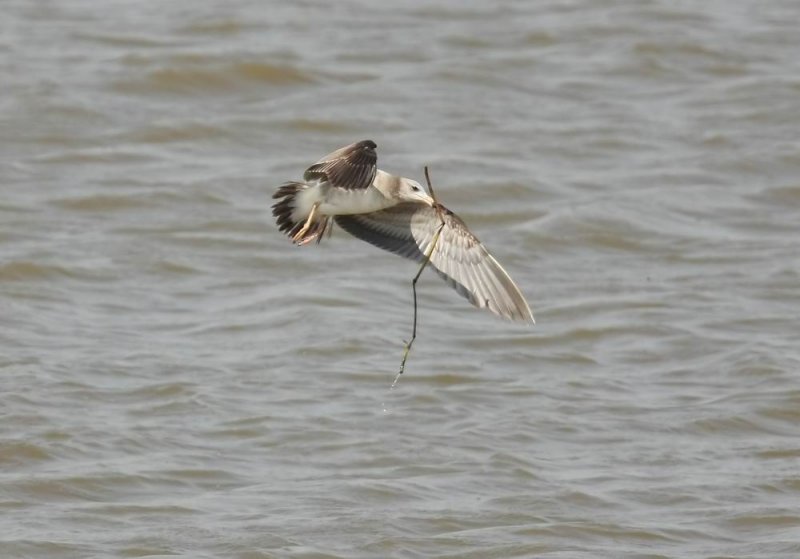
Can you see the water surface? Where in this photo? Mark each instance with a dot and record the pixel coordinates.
(178, 380)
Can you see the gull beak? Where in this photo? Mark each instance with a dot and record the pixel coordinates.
(425, 198)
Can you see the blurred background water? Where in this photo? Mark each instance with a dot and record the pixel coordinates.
(179, 380)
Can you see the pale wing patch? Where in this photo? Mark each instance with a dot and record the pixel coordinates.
(459, 257)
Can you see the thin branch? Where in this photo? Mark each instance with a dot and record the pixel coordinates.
(430, 189)
(427, 259)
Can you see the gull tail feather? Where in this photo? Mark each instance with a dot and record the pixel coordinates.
(285, 213)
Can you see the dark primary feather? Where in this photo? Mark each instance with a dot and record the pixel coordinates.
(459, 257)
(351, 167)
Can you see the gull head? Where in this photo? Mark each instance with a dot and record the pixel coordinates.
(411, 191)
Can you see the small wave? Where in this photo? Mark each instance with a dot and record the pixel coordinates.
(23, 270)
(159, 134)
(121, 40)
(18, 453)
(218, 27)
(779, 195)
(212, 78)
(91, 155)
(100, 203)
(316, 125)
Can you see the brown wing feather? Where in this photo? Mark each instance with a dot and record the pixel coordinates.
(352, 167)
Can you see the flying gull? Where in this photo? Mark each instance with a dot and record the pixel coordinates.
(395, 214)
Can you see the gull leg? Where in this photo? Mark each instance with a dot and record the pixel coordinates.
(315, 233)
(297, 237)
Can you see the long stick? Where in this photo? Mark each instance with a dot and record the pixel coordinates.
(433, 194)
(427, 259)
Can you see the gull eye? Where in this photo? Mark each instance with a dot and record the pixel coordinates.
(415, 188)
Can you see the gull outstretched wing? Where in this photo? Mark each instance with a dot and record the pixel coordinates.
(409, 229)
